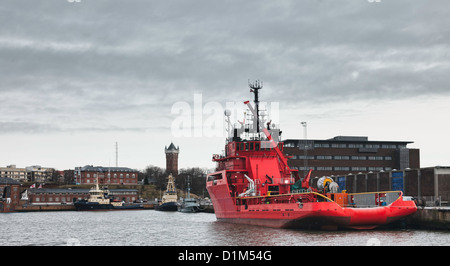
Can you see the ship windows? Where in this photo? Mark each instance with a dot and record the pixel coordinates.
(265, 145)
(257, 146)
(273, 189)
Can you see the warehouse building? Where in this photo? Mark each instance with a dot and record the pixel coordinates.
(106, 175)
(349, 154)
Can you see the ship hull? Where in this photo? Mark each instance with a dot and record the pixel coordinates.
(325, 215)
(94, 206)
(169, 206)
(312, 215)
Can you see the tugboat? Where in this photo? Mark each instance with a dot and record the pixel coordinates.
(99, 200)
(189, 204)
(253, 184)
(169, 199)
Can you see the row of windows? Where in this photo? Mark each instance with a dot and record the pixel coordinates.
(67, 199)
(351, 145)
(50, 199)
(342, 157)
(341, 168)
(115, 175)
(111, 181)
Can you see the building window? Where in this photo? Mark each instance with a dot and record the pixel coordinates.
(306, 168)
(302, 157)
(388, 146)
(355, 145)
(341, 157)
(341, 168)
(289, 144)
(338, 145)
(359, 168)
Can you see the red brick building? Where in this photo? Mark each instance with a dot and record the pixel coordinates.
(10, 194)
(106, 175)
(68, 196)
(172, 159)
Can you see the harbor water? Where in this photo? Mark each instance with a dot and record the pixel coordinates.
(155, 228)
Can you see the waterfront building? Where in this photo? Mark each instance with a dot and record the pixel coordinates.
(56, 196)
(9, 194)
(37, 173)
(11, 171)
(106, 175)
(349, 154)
(172, 159)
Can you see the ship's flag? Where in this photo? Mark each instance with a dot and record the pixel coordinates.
(33, 186)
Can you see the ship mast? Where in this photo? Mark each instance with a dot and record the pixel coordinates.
(255, 87)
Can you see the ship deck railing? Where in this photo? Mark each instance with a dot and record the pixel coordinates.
(354, 200)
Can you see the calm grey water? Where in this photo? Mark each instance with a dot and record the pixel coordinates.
(154, 228)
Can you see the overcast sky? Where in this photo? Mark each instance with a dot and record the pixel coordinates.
(77, 77)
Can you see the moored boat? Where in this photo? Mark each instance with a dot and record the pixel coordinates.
(253, 184)
(170, 198)
(189, 204)
(100, 200)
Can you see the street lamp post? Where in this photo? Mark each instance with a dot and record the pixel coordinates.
(305, 148)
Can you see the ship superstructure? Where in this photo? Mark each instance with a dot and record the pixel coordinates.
(170, 198)
(253, 184)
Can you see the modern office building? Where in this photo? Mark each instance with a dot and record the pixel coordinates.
(11, 171)
(349, 154)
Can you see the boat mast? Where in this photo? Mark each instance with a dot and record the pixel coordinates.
(255, 87)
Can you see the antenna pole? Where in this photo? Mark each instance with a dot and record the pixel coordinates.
(255, 87)
(117, 154)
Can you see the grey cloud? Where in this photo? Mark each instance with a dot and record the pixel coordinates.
(121, 61)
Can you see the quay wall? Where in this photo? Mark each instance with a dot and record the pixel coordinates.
(430, 218)
(44, 207)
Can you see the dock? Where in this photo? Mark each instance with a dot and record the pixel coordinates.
(436, 218)
(44, 207)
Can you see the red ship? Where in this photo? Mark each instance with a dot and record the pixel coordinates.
(253, 184)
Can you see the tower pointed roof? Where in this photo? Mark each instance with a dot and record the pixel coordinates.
(172, 148)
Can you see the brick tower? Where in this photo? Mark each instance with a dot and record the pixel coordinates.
(172, 159)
